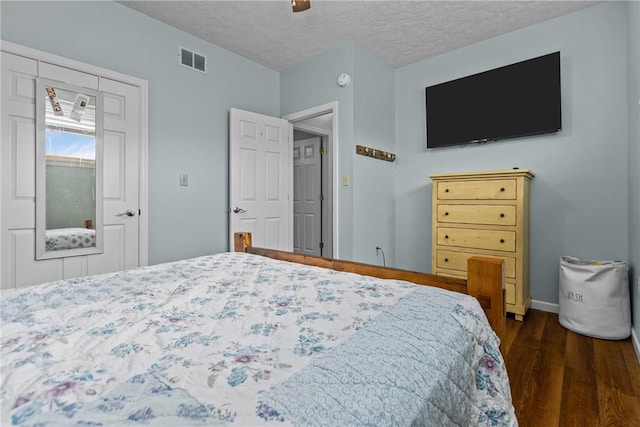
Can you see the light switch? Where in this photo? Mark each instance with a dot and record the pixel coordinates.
(184, 179)
(345, 180)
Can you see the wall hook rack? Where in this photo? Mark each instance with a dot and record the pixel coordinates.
(375, 153)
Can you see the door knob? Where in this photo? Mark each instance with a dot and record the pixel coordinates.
(127, 213)
(238, 210)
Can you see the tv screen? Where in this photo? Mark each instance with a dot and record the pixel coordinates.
(516, 100)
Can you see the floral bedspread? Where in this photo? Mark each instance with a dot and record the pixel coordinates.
(58, 239)
(240, 339)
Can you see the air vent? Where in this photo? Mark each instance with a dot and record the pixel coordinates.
(190, 59)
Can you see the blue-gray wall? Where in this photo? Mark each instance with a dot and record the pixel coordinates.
(373, 179)
(633, 49)
(365, 117)
(579, 197)
(188, 111)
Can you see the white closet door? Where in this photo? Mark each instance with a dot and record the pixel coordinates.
(120, 189)
(18, 159)
(17, 170)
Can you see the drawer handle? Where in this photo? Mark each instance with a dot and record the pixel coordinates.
(501, 240)
(446, 190)
(446, 236)
(501, 215)
(446, 214)
(446, 260)
(501, 188)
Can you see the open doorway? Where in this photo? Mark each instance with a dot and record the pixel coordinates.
(314, 164)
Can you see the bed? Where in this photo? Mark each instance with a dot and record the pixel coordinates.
(58, 239)
(251, 338)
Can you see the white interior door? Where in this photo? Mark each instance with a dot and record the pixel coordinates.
(260, 179)
(307, 191)
(17, 170)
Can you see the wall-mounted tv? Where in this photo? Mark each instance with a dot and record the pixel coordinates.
(515, 100)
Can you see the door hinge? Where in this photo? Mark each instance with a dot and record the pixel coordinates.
(321, 151)
(322, 197)
(139, 212)
(321, 245)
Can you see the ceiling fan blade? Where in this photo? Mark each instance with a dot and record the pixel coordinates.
(300, 5)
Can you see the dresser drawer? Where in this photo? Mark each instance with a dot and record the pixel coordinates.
(478, 214)
(497, 189)
(453, 260)
(510, 293)
(479, 239)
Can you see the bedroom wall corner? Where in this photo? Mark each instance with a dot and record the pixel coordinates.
(374, 180)
(366, 117)
(313, 83)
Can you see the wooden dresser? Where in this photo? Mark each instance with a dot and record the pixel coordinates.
(487, 214)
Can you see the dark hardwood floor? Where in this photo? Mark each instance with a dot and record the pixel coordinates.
(560, 378)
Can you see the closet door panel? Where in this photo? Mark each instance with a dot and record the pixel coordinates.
(17, 173)
(68, 75)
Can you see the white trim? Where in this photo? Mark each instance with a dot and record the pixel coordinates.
(545, 306)
(290, 189)
(143, 177)
(636, 343)
(331, 107)
(43, 56)
(143, 85)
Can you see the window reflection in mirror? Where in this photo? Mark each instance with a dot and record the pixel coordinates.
(68, 197)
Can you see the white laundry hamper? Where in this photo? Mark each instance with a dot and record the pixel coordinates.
(594, 298)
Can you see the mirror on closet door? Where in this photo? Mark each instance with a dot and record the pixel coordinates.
(68, 170)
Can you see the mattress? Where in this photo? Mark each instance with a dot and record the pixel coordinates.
(239, 339)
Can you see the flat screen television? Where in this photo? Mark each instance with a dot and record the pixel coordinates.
(515, 100)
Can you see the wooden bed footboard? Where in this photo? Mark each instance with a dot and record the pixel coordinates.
(485, 277)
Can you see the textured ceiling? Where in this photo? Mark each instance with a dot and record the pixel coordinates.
(399, 32)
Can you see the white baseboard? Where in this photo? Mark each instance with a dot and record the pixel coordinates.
(545, 306)
(554, 308)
